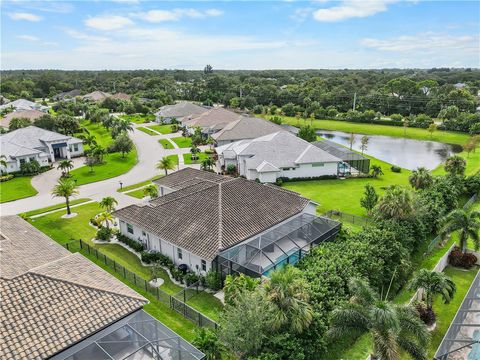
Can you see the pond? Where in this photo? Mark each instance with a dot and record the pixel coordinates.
(406, 153)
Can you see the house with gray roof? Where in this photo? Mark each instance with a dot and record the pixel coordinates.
(277, 155)
(180, 111)
(245, 128)
(212, 120)
(23, 104)
(67, 95)
(96, 96)
(353, 161)
(204, 216)
(32, 143)
(60, 305)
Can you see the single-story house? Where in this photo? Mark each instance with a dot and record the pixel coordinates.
(96, 96)
(23, 104)
(31, 115)
(245, 128)
(33, 143)
(67, 95)
(180, 111)
(353, 160)
(212, 120)
(60, 305)
(227, 224)
(277, 155)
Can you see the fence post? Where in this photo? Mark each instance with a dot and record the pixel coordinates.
(145, 284)
(67, 247)
(158, 294)
(81, 244)
(114, 266)
(134, 279)
(105, 258)
(88, 247)
(96, 253)
(124, 274)
(199, 319)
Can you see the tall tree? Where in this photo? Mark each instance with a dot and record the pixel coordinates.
(369, 199)
(123, 144)
(66, 188)
(105, 218)
(420, 178)
(466, 223)
(364, 143)
(351, 140)
(108, 203)
(396, 203)
(65, 166)
(166, 164)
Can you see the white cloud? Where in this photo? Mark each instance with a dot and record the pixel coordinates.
(24, 16)
(30, 38)
(83, 36)
(108, 22)
(157, 16)
(351, 9)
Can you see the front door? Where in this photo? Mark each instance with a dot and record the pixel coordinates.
(56, 153)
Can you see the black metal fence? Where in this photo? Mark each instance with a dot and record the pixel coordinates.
(177, 302)
(344, 217)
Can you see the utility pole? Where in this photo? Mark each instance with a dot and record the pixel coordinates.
(241, 92)
(354, 100)
(114, 87)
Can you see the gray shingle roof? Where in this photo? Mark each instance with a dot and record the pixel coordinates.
(188, 176)
(215, 119)
(180, 110)
(246, 128)
(23, 104)
(211, 216)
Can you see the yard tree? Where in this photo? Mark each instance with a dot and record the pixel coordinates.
(123, 144)
(65, 188)
(46, 122)
(155, 269)
(166, 164)
(105, 218)
(88, 138)
(238, 284)
(466, 223)
(391, 327)
(18, 123)
(194, 150)
(65, 166)
(432, 128)
(455, 165)
(108, 203)
(351, 140)
(369, 199)
(420, 178)
(151, 191)
(396, 203)
(307, 133)
(364, 143)
(376, 170)
(120, 126)
(207, 164)
(470, 145)
(405, 126)
(206, 340)
(66, 124)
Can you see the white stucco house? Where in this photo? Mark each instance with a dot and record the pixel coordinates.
(24, 105)
(33, 143)
(209, 221)
(180, 111)
(277, 155)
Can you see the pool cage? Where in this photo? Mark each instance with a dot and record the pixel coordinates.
(284, 244)
(136, 337)
(462, 340)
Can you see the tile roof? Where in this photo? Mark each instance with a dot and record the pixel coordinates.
(211, 216)
(188, 176)
(22, 114)
(96, 96)
(52, 298)
(216, 119)
(246, 128)
(180, 110)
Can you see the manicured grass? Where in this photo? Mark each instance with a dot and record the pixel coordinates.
(450, 137)
(183, 142)
(163, 129)
(114, 166)
(16, 188)
(473, 164)
(56, 207)
(140, 184)
(166, 144)
(207, 304)
(146, 130)
(139, 118)
(174, 158)
(101, 134)
(187, 158)
(136, 193)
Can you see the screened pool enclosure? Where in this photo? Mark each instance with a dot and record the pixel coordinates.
(136, 337)
(284, 244)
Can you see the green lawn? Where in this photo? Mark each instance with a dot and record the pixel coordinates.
(166, 144)
(174, 158)
(16, 188)
(140, 184)
(101, 134)
(207, 304)
(187, 158)
(114, 166)
(146, 130)
(183, 142)
(163, 129)
(136, 193)
(139, 118)
(56, 207)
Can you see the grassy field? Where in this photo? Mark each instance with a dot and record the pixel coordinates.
(140, 184)
(56, 207)
(139, 118)
(136, 193)
(163, 129)
(183, 142)
(16, 188)
(114, 166)
(187, 158)
(101, 134)
(166, 144)
(146, 130)
(174, 158)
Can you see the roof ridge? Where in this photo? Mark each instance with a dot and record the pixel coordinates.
(183, 196)
(220, 218)
(303, 152)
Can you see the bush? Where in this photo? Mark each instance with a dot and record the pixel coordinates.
(30, 168)
(231, 169)
(209, 151)
(190, 278)
(104, 234)
(149, 257)
(177, 274)
(459, 259)
(213, 280)
(6, 177)
(94, 222)
(425, 314)
(396, 169)
(135, 245)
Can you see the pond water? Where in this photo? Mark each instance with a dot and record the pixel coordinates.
(406, 153)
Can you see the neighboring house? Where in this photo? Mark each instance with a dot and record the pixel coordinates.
(460, 85)
(59, 305)
(33, 143)
(278, 155)
(352, 160)
(96, 96)
(212, 120)
(23, 104)
(180, 111)
(31, 115)
(121, 96)
(290, 128)
(227, 224)
(67, 95)
(245, 128)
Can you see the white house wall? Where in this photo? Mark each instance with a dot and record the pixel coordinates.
(14, 166)
(308, 170)
(77, 153)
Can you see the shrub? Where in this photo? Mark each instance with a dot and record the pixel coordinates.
(6, 177)
(104, 234)
(426, 315)
(150, 256)
(30, 168)
(213, 280)
(459, 259)
(135, 245)
(94, 222)
(396, 169)
(279, 182)
(231, 169)
(190, 278)
(209, 151)
(177, 274)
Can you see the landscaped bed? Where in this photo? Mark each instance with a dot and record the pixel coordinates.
(166, 144)
(183, 142)
(16, 188)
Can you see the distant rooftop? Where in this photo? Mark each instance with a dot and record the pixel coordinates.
(246, 128)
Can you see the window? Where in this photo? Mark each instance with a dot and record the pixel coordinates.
(144, 233)
(318, 164)
(129, 228)
(204, 265)
(31, 159)
(75, 147)
(22, 161)
(179, 253)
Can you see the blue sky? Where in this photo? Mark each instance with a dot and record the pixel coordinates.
(239, 34)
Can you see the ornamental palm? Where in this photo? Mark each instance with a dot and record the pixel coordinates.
(106, 218)
(88, 139)
(376, 170)
(396, 203)
(466, 223)
(66, 188)
(151, 190)
(194, 150)
(108, 203)
(65, 166)
(391, 327)
(420, 178)
(207, 164)
(288, 291)
(455, 165)
(121, 125)
(433, 283)
(166, 164)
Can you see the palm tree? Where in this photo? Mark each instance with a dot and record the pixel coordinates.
(151, 190)
(466, 223)
(166, 164)
(66, 188)
(420, 178)
(105, 217)
(391, 327)
(108, 203)
(433, 283)
(288, 291)
(455, 165)
(121, 125)
(65, 166)
(207, 164)
(194, 150)
(376, 170)
(236, 285)
(88, 139)
(396, 203)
